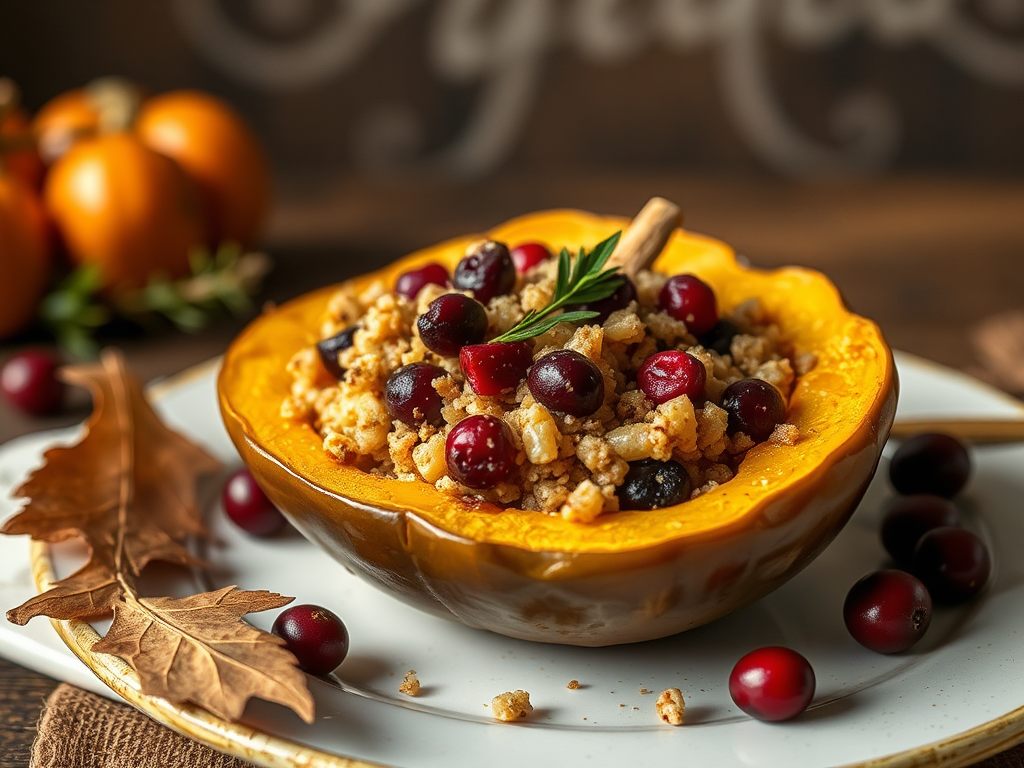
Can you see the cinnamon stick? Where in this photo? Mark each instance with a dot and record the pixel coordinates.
(976, 431)
(646, 236)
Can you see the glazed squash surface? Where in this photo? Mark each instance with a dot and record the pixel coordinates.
(629, 575)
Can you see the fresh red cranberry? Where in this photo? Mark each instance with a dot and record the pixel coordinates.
(668, 375)
(953, 563)
(931, 462)
(329, 349)
(690, 299)
(755, 407)
(911, 517)
(653, 484)
(316, 637)
(409, 394)
(720, 337)
(480, 452)
(487, 272)
(452, 322)
(248, 507)
(29, 381)
(528, 255)
(568, 382)
(620, 299)
(887, 611)
(410, 283)
(773, 683)
(496, 368)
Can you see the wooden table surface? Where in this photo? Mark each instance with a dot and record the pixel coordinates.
(927, 258)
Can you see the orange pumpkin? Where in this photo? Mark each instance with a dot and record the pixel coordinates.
(214, 147)
(62, 121)
(23, 162)
(126, 208)
(629, 576)
(25, 262)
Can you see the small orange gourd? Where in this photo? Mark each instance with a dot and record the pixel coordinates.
(214, 147)
(126, 209)
(629, 576)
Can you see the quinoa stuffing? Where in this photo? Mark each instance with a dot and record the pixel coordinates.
(634, 392)
(511, 706)
(670, 706)
(410, 684)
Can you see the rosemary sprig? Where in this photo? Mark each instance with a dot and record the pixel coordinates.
(580, 282)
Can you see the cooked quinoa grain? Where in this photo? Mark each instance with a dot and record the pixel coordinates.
(562, 464)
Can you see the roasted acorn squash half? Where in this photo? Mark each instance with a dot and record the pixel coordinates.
(629, 576)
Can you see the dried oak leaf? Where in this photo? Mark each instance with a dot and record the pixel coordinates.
(196, 649)
(127, 488)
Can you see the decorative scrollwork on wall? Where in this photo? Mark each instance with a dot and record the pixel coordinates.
(503, 46)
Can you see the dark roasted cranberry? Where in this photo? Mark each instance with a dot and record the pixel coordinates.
(887, 611)
(498, 367)
(29, 381)
(410, 283)
(772, 683)
(480, 452)
(652, 484)
(667, 375)
(624, 294)
(911, 517)
(410, 396)
(754, 407)
(690, 299)
(487, 272)
(452, 322)
(720, 337)
(248, 507)
(953, 563)
(315, 636)
(930, 463)
(528, 255)
(568, 382)
(329, 349)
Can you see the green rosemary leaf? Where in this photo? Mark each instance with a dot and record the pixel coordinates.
(579, 282)
(603, 250)
(522, 333)
(596, 288)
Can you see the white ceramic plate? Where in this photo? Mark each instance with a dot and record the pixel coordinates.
(954, 699)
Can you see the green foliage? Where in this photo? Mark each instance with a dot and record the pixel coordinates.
(225, 281)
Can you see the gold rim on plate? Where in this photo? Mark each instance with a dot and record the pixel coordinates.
(269, 751)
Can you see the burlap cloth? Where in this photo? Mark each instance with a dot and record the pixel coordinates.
(81, 730)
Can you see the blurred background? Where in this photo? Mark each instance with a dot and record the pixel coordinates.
(877, 140)
(464, 89)
(880, 141)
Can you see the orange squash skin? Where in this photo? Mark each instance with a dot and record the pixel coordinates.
(629, 576)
